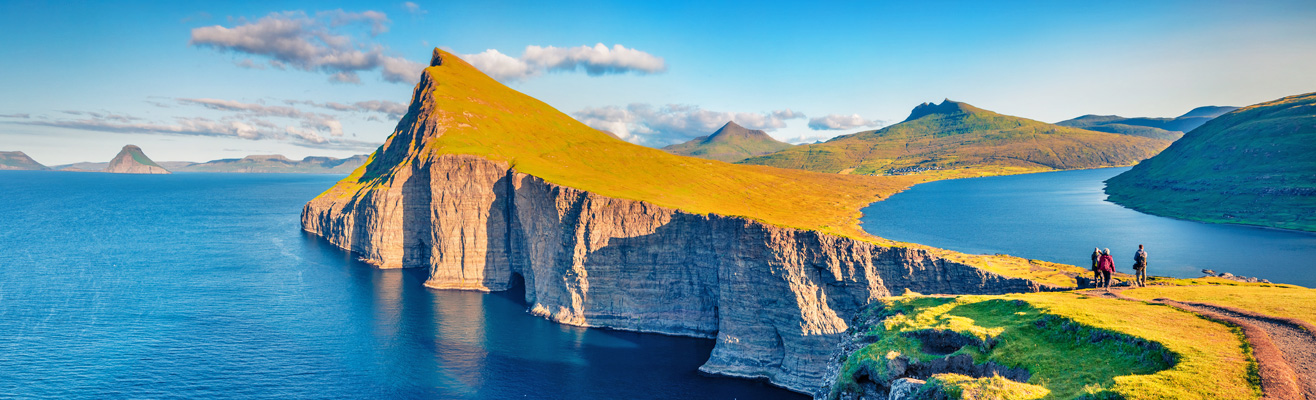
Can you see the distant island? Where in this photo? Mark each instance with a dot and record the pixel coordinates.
(131, 160)
(1158, 128)
(1255, 166)
(17, 160)
(249, 164)
(957, 136)
(730, 143)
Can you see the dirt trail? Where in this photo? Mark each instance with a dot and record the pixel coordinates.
(1285, 351)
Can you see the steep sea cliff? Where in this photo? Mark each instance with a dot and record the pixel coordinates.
(776, 299)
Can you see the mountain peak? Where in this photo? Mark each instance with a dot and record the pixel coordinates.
(131, 160)
(946, 107)
(732, 131)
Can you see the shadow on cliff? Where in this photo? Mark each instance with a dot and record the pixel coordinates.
(417, 221)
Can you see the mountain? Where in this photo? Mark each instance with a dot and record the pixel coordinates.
(1253, 166)
(484, 186)
(17, 160)
(730, 143)
(131, 160)
(960, 137)
(1158, 128)
(278, 164)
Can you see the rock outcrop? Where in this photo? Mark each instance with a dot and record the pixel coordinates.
(776, 299)
(131, 160)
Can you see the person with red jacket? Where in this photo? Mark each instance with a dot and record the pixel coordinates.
(1106, 265)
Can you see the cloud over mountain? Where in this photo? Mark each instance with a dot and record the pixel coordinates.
(838, 122)
(594, 60)
(673, 123)
(319, 43)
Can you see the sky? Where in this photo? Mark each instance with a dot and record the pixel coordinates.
(198, 81)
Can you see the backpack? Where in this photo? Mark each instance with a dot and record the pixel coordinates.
(1140, 259)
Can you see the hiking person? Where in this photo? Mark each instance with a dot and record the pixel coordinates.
(1140, 267)
(1106, 264)
(1096, 273)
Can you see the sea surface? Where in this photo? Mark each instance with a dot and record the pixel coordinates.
(203, 286)
(1062, 216)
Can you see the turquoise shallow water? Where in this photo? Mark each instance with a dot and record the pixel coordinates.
(1061, 216)
(203, 286)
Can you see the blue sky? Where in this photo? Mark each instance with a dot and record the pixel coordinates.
(193, 81)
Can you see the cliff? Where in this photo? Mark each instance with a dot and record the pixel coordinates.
(131, 160)
(476, 186)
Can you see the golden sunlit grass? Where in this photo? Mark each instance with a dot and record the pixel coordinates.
(1287, 301)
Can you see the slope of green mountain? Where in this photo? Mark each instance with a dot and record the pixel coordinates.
(131, 160)
(17, 160)
(1159, 128)
(957, 136)
(730, 143)
(1252, 166)
(279, 164)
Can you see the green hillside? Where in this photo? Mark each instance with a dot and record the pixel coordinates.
(1158, 128)
(731, 143)
(958, 136)
(278, 164)
(1252, 166)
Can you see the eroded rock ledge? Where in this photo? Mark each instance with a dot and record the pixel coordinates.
(776, 299)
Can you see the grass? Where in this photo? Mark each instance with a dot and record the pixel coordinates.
(1252, 166)
(479, 116)
(960, 136)
(1278, 300)
(1146, 352)
(731, 143)
(958, 386)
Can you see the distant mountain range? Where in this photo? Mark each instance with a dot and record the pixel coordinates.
(954, 135)
(17, 160)
(730, 143)
(1255, 165)
(1158, 128)
(250, 164)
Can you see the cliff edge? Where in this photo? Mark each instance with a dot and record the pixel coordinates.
(479, 183)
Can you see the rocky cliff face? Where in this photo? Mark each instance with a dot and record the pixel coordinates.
(131, 160)
(776, 299)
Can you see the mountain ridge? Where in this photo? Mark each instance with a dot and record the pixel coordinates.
(1158, 128)
(131, 160)
(17, 160)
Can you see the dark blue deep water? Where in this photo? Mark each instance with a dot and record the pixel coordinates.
(203, 286)
(1061, 216)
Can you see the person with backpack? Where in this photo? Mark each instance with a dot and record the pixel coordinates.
(1140, 267)
(1096, 273)
(1106, 264)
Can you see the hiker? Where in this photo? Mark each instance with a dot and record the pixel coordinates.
(1106, 264)
(1096, 272)
(1140, 267)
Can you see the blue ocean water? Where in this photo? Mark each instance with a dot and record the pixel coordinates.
(1061, 216)
(203, 286)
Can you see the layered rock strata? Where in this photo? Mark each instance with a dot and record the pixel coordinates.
(776, 299)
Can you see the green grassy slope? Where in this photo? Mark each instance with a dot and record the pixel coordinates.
(17, 160)
(138, 155)
(956, 135)
(730, 143)
(1252, 166)
(1073, 345)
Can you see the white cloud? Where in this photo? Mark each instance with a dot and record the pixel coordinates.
(838, 122)
(413, 8)
(657, 126)
(316, 43)
(594, 60)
